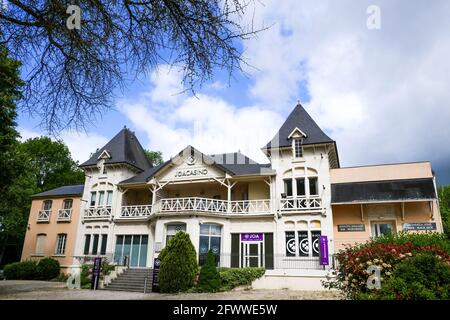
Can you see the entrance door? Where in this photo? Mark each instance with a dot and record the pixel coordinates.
(252, 254)
(382, 228)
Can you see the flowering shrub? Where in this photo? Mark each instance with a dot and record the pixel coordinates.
(352, 264)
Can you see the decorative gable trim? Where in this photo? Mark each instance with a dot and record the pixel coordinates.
(297, 130)
(104, 155)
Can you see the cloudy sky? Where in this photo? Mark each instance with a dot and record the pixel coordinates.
(382, 94)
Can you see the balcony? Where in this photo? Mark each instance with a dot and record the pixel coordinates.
(97, 213)
(300, 204)
(135, 212)
(64, 215)
(44, 215)
(193, 204)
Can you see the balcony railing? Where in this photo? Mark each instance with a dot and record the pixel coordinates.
(64, 214)
(136, 212)
(44, 215)
(97, 213)
(300, 204)
(251, 206)
(193, 204)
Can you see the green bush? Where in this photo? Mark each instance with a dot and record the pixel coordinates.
(209, 280)
(235, 277)
(85, 278)
(421, 277)
(25, 270)
(47, 269)
(178, 264)
(439, 240)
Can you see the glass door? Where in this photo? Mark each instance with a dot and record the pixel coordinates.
(252, 254)
(382, 228)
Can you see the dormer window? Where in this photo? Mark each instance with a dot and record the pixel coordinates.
(298, 149)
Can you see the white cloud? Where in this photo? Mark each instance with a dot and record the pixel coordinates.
(80, 144)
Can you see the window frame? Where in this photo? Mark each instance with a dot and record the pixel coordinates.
(297, 148)
(309, 231)
(61, 243)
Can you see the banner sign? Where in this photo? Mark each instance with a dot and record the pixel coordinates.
(419, 226)
(351, 227)
(156, 265)
(248, 237)
(323, 246)
(96, 271)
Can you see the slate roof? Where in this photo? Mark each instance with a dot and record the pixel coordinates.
(300, 119)
(394, 190)
(235, 164)
(62, 191)
(123, 148)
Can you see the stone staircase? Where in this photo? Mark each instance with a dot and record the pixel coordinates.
(132, 279)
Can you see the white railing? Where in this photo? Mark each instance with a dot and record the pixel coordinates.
(44, 215)
(97, 213)
(135, 212)
(301, 203)
(64, 214)
(192, 204)
(251, 206)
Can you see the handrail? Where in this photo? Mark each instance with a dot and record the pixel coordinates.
(44, 215)
(64, 214)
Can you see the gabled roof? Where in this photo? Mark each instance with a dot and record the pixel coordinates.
(235, 164)
(76, 190)
(301, 120)
(123, 148)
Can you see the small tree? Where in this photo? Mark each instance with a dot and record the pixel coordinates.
(209, 280)
(178, 264)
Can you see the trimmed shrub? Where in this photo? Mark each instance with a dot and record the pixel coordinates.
(234, 277)
(178, 264)
(85, 276)
(421, 277)
(25, 270)
(209, 280)
(48, 269)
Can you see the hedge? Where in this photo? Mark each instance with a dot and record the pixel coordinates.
(45, 269)
(235, 277)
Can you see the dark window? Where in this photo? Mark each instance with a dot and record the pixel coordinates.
(87, 243)
(315, 235)
(300, 186)
(234, 250)
(95, 244)
(104, 242)
(93, 195)
(288, 187)
(268, 250)
(68, 204)
(303, 244)
(290, 244)
(313, 187)
(47, 205)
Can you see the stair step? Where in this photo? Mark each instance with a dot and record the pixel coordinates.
(132, 280)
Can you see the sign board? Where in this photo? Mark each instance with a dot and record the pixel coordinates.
(323, 250)
(249, 237)
(351, 227)
(156, 266)
(96, 271)
(417, 226)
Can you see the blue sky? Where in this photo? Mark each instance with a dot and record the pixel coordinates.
(381, 94)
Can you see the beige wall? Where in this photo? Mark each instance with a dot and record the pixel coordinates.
(351, 214)
(382, 172)
(258, 190)
(52, 229)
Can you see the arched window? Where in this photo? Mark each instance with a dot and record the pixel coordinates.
(302, 238)
(40, 243)
(173, 228)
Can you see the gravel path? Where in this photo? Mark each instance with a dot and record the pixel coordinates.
(42, 290)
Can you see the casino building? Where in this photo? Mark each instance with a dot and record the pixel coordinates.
(288, 215)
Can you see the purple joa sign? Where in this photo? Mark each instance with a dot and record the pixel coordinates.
(252, 236)
(323, 250)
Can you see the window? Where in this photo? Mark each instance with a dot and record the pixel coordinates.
(47, 205)
(313, 186)
(131, 249)
(210, 239)
(67, 204)
(298, 149)
(61, 244)
(104, 170)
(172, 229)
(87, 243)
(95, 244)
(288, 187)
(382, 228)
(93, 196)
(300, 186)
(40, 243)
(101, 198)
(303, 242)
(104, 242)
(109, 198)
